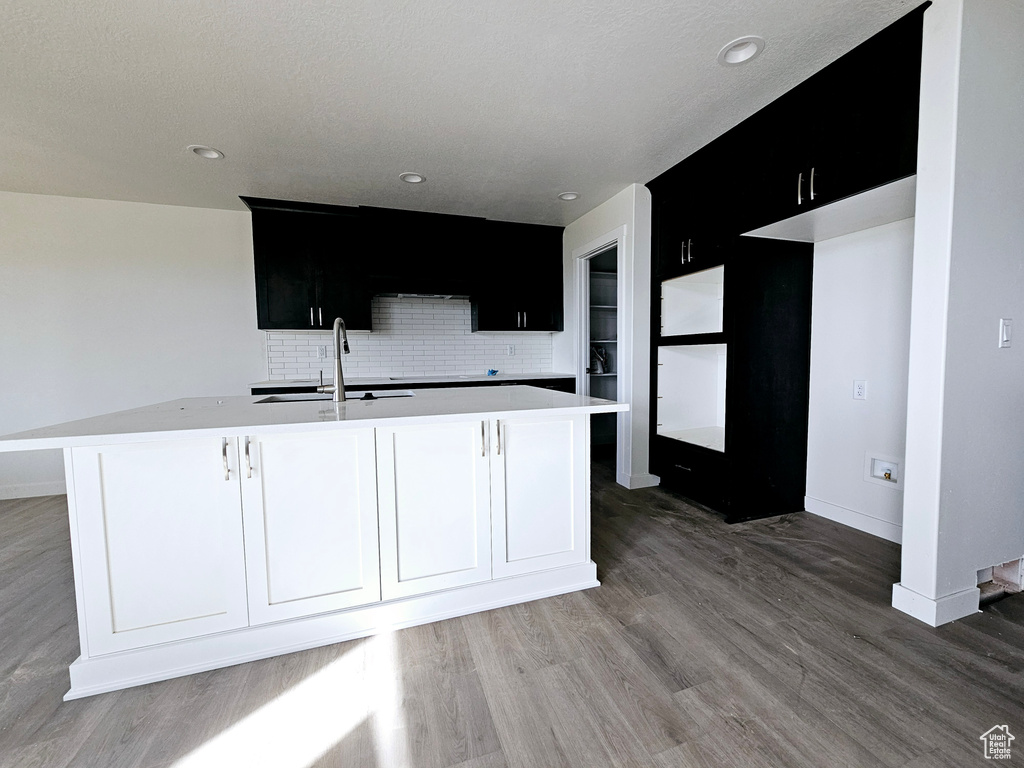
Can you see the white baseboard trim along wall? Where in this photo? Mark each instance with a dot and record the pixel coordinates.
(859, 520)
(29, 490)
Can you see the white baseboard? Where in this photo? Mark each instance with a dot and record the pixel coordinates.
(862, 522)
(935, 611)
(30, 490)
(642, 480)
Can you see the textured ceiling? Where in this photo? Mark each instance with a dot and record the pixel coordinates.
(501, 104)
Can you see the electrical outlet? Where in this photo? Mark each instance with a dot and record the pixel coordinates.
(321, 352)
(510, 350)
(860, 390)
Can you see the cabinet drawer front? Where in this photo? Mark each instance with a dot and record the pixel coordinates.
(695, 473)
(540, 494)
(310, 510)
(434, 500)
(160, 540)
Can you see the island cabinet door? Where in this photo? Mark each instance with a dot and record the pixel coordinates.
(434, 495)
(310, 507)
(159, 542)
(540, 485)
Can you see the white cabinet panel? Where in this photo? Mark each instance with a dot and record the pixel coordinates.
(160, 529)
(540, 479)
(310, 504)
(434, 497)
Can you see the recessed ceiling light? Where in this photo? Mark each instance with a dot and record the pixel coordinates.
(413, 178)
(569, 196)
(208, 152)
(740, 51)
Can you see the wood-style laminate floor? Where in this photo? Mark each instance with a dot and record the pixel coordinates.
(769, 643)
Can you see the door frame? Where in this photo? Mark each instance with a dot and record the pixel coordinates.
(581, 256)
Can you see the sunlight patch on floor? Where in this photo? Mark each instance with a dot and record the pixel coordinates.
(300, 725)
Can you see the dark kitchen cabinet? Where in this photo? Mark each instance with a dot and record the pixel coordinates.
(849, 128)
(414, 252)
(730, 416)
(518, 285)
(731, 395)
(307, 266)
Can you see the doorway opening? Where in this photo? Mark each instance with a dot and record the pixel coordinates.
(602, 353)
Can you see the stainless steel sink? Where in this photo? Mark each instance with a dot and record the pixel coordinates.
(295, 397)
(406, 378)
(302, 397)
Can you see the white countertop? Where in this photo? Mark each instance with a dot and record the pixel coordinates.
(366, 383)
(237, 416)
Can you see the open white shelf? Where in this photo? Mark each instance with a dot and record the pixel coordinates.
(691, 394)
(693, 303)
(709, 437)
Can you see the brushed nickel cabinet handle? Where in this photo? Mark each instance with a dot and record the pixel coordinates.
(689, 250)
(524, 318)
(224, 453)
(311, 324)
(248, 461)
(812, 183)
(320, 313)
(483, 438)
(499, 437)
(800, 188)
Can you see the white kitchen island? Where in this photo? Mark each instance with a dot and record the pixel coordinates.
(213, 531)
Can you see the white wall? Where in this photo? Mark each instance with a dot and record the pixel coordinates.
(110, 305)
(964, 505)
(627, 215)
(860, 330)
(412, 337)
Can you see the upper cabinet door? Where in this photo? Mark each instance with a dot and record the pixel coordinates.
(310, 268)
(867, 105)
(849, 128)
(518, 285)
(343, 287)
(310, 510)
(286, 269)
(160, 531)
(434, 501)
(540, 493)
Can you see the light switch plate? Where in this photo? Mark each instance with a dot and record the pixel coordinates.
(1005, 331)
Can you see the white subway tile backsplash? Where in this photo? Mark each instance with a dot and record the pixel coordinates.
(412, 337)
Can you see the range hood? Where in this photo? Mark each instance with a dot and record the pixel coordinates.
(445, 296)
(439, 284)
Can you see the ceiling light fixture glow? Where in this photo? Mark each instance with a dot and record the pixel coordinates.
(208, 153)
(412, 178)
(740, 51)
(569, 196)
